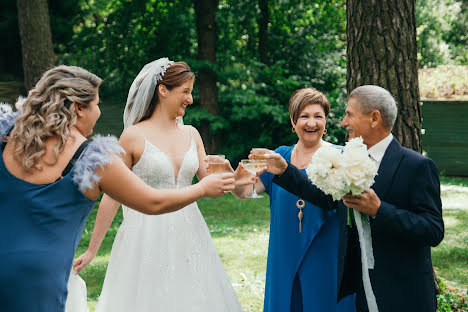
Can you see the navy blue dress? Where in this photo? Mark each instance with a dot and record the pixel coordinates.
(40, 227)
(301, 267)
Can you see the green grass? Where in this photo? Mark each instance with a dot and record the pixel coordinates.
(240, 230)
(451, 256)
(456, 181)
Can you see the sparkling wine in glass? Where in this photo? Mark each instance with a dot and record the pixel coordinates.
(253, 166)
(259, 152)
(216, 163)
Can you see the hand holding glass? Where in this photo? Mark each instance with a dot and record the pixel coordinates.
(259, 152)
(216, 163)
(253, 166)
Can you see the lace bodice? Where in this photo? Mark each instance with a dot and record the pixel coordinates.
(157, 170)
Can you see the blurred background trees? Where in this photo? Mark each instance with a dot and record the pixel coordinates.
(258, 53)
(36, 39)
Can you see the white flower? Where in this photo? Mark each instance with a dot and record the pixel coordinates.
(337, 173)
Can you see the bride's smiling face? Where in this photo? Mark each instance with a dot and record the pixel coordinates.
(179, 98)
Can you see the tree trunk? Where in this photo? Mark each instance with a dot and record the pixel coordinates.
(205, 11)
(36, 39)
(263, 31)
(382, 51)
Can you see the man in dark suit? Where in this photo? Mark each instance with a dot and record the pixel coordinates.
(404, 205)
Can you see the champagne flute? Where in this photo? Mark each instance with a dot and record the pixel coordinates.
(253, 166)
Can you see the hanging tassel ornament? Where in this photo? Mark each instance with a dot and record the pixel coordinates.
(300, 204)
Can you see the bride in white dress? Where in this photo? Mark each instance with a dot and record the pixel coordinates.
(165, 262)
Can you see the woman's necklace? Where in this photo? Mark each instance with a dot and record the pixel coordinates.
(300, 202)
(300, 163)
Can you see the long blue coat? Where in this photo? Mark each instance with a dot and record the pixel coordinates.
(311, 256)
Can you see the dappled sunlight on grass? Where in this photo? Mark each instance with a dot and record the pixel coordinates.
(245, 261)
(451, 256)
(451, 222)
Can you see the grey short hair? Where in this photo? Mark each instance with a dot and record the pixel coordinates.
(371, 98)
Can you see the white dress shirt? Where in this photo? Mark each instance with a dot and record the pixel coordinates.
(377, 151)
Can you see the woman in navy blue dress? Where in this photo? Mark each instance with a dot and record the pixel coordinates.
(50, 178)
(302, 254)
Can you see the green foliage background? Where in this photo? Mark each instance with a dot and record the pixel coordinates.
(306, 45)
(442, 32)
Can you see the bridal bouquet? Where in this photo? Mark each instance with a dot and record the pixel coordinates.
(337, 173)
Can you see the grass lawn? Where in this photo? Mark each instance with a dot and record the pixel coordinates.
(451, 256)
(240, 233)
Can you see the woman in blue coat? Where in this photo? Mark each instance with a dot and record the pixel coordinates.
(303, 247)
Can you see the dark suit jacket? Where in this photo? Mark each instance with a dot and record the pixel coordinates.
(407, 223)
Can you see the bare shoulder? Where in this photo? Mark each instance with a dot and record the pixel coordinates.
(195, 133)
(131, 137)
(133, 142)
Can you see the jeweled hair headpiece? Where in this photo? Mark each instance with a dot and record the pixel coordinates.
(142, 90)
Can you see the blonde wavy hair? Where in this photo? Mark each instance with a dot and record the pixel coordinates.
(50, 110)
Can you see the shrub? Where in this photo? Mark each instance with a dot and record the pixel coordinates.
(445, 81)
(450, 299)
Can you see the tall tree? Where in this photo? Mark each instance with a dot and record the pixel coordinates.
(382, 50)
(263, 31)
(205, 11)
(36, 39)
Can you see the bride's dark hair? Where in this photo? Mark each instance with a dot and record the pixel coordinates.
(176, 75)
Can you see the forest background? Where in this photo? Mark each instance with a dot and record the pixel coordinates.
(261, 58)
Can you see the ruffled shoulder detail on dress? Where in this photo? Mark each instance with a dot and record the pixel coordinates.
(98, 153)
(7, 118)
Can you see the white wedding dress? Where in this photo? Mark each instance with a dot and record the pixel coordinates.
(166, 262)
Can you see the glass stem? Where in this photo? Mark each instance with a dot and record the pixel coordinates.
(253, 190)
